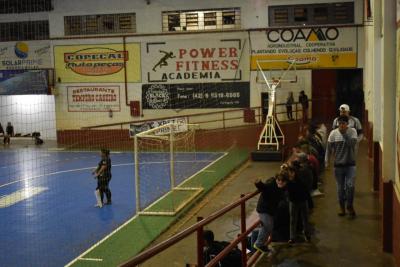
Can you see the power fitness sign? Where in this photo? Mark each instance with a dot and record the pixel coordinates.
(98, 63)
(93, 98)
(311, 48)
(199, 60)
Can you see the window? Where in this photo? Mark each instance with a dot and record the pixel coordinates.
(24, 6)
(24, 31)
(195, 20)
(100, 24)
(312, 14)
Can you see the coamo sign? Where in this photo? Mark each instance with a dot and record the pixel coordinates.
(96, 61)
(295, 35)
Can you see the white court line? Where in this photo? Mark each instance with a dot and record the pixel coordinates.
(20, 195)
(90, 259)
(53, 173)
(127, 222)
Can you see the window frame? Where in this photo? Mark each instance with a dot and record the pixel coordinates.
(346, 9)
(187, 20)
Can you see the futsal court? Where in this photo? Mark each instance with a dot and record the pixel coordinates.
(47, 200)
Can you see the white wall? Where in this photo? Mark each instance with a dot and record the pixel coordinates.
(29, 113)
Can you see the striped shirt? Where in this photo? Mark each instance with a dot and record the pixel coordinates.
(343, 146)
(353, 123)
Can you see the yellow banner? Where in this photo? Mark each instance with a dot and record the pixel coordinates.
(305, 61)
(97, 63)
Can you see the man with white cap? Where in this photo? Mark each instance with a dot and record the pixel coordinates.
(344, 109)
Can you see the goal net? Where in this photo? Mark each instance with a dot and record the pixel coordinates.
(164, 157)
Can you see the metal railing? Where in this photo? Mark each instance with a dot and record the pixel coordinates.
(198, 228)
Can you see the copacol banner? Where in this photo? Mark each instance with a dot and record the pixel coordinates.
(196, 95)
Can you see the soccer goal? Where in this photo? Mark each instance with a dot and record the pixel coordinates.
(165, 157)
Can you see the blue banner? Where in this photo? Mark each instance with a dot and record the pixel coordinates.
(23, 82)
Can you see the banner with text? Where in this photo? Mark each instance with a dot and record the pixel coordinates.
(25, 55)
(311, 48)
(195, 60)
(196, 95)
(93, 98)
(97, 63)
(180, 125)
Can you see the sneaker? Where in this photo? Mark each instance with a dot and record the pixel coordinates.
(316, 193)
(291, 242)
(341, 212)
(262, 249)
(108, 203)
(98, 205)
(352, 213)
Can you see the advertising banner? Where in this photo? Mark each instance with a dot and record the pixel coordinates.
(195, 60)
(311, 48)
(180, 126)
(93, 98)
(196, 95)
(97, 63)
(25, 55)
(23, 82)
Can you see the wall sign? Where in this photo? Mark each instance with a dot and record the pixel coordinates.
(311, 48)
(25, 55)
(196, 95)
(93, 98)
(97, 63)
(193, 60)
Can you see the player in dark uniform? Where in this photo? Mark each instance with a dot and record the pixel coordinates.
(103, 175)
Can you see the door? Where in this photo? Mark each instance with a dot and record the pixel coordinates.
(324, 96)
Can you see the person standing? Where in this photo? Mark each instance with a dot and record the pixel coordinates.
(103, 175)
(303, 100)
(289, 105)
(9, 133)
(342, 143)
(355, 123)
(272, 193)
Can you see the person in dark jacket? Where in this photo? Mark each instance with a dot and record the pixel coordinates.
(212, 248)
(298, 203)
(103, 175)
(9, 133)
(272, 193)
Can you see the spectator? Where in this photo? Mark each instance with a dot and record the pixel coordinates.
(1, 129)
(344, 110)
(9, 133)
(303, 100)
(298, 207)
(342, 143)
(212, 248)
(272, 193)
(103, 175)
(289, 105)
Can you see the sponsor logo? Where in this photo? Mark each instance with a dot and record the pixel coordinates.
(96, 61)
(157, 96)
(308, 35)
(21, 50)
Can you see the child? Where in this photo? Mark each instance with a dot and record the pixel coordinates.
(298, 196)
(272, 193)
(103, 175)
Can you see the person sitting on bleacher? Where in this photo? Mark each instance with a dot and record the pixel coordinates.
(212, 248)
(9, 133)
(272, 193)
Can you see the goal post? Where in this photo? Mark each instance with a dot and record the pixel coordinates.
(161, 154)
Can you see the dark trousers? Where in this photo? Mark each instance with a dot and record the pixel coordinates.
(289, 110)
(102, 186)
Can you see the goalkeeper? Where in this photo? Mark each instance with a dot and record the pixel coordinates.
(103, 175)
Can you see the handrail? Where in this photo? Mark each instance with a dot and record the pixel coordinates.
(169, 117)
(145, 255)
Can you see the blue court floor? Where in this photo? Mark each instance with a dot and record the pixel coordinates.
(47, 200)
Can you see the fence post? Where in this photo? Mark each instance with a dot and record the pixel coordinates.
(200, 244)
(242, 230)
